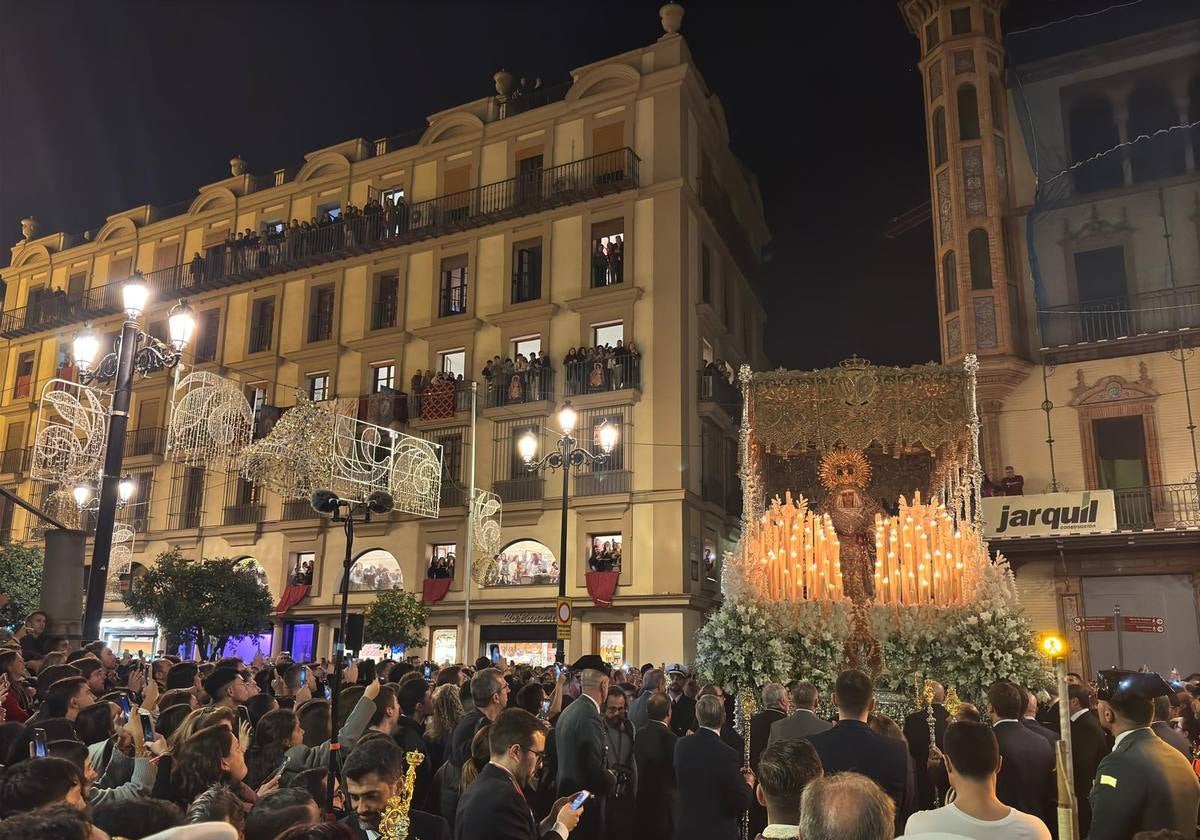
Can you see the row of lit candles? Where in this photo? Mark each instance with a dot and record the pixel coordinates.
(799, 550)
(919, 556)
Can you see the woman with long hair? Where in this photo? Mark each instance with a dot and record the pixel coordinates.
(17, 705)
(277, 732)
(211, 756)
(439, 726)
(203, 718)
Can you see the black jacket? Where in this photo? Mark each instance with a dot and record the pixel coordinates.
(581, 746)
(491, 808)
(851, 746)
(712, 792)
(1089, 745)
(460, 742)
(422, 826)
(1144, 784)
(654, 750)
(410, 737)
(916, 732)
(760, 733)
(1026, 778)
(1033, 726)
(1173, 737)
(683, 715)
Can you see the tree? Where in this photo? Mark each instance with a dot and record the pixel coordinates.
(396, 618)
(206, 603)
(21, 580)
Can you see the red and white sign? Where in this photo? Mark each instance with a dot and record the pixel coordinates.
(1144, 624)
(1094, 624)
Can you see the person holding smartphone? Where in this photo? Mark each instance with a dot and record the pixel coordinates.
(493, 808)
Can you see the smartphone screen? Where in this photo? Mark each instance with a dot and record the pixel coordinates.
(147, 726)
(244, 715)
(303, 675)
(545, 707)
(39, 743)
(123, 700)
(279, 770)
(579, 800)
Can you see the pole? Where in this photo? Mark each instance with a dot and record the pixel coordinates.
(335, 687)
(470, 546)
(114, 455)
(1120, 641)
(1068, 823)
(565, 445)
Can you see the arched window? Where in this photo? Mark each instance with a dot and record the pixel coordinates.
(939, 137)
(523, 563)
(997, 100)
(968, 113)
(1093, 130)
(1151, 108)
(375, 569)
(981, 259)
(950, 282)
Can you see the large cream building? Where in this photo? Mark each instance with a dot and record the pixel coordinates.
(1077, 287)
(609, 209)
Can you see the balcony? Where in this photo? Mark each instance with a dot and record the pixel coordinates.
(383, 313)
(247, 514)
(13, 461)
(518, 388)
(384, 408)
(719, 208)
(296, 248)
(1158, 507)
(145, 442)
(185, 520)
(713, 387)
(527, 489)
(585, 377)
(452, 495)
(260, 338)
(1127, 316)
(601, 481)
(297, 510)
(440, 400)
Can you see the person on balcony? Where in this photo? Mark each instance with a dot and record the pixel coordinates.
(196, 271)
(1013, 484)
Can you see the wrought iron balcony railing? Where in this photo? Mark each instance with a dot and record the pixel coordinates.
(185, 520)
(440, 400)
(528, 489)
(295, 510)
(589, 377)
(525, 387)
(714, 387)
(300, 247)
(1162, 310)
(1158, 507)
(145, 442)
(383, 313)
(247, 514)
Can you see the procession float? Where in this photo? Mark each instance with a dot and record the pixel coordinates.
(861, 541)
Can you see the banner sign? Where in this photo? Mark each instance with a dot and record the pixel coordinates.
(1049, 514)
(1093, 624)
(1144, 624)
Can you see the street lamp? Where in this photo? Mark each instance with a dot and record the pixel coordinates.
(1055, 649)
(567, 455)
(134, 352)
(125, 489)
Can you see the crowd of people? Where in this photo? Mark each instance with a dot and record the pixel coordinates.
(96, 746)
(518, 380)
(603, 368)
(605, 556)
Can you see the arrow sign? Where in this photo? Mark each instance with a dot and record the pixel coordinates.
(1144, 624)
(1094, 624)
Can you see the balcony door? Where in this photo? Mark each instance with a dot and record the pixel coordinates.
(1122, 466)
(1102, 290)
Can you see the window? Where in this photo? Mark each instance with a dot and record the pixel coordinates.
(318, 386)
(442, 557)
(616, 458)
(932, 37)
(191, 500)
(1151, 109)
(208, 331)
(119, 268)
(968, 113)
(453, 362)
(989, 24)
(960, 21)
(523, 563)
(375, 569)
(456, 185)
(301, 573)
(1102, 289)
(950, 282)
(705, 274)
(76, 283)
(939, 137)
(454, 286)
(608, 253)
(392, 194)
(529, 175)
(604, 552)
(445, 645)
(527, 271)
(997, 101)
(262, 320)
(331, 209)
(256, 395)
(1121, 452)
(23, 386)
(706, 351)
(1094, 130)
(320, 318)
(385, 297)
(529, 345)
(383, 376)
(608, 640)
(981, 259)
(608, 334)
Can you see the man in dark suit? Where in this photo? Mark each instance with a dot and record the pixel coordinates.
(774, 709)
(683, 708)
(581, 745)
(916, 732)
(1163, 729)
(654, 682)
(1049, 717)
(1089, 745)
(850, 746)
(1026, 777)
(1143, 784)
(654, 750)
(489, 694)
(803, 720)
(714, 787)
(493, 807)
(375, 771)
(1031, 722)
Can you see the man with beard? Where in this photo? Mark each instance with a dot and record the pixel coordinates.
(493, 806)
(683, 708)
(375, 771)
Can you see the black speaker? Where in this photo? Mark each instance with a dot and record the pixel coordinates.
(354, 631)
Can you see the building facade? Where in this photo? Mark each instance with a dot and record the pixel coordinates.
(609, 211)
(1068, 258)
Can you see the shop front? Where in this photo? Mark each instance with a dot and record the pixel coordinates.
(126, 634)
(523, 637)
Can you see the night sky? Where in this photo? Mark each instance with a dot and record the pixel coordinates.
(110, 105)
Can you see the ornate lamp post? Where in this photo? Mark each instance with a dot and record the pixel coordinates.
(566, 456)
(134, 352)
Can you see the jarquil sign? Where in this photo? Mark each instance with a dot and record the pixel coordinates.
(1049, 514)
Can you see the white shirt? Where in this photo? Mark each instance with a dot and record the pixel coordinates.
(950, 820)
(1126, 732)
(779, 831)
(1077, 715)
(594, 703)
(1004, 720)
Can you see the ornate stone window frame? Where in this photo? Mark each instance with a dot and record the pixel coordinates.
(1116, 396)
(1093, 234)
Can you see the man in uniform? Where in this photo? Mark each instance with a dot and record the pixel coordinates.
(1144, 784)
(581, 746)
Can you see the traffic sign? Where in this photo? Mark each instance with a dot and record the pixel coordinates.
(1144, 624)
(563, 613)
(1093, 624)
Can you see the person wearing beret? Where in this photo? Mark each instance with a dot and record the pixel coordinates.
(581, 746)
(1144, 784)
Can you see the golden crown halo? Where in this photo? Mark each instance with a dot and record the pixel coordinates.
(840, 467)
(394, 821)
